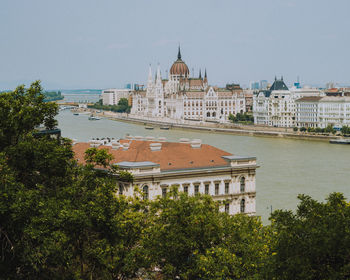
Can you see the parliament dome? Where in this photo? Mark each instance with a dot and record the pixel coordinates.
(179, 67)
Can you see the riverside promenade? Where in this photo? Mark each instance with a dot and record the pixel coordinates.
(229, 128)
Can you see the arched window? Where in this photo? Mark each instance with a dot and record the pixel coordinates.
(242, 184)
(208, 114)
(227, 208)
(242, 206)
(214, 114)
(145, 192)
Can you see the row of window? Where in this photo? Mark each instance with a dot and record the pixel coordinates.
(242, 207)
(196, 189)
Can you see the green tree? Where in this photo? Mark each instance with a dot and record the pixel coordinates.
(314, 243)
(345, 130)
(189, 238)
(59, 219)
(21, 111)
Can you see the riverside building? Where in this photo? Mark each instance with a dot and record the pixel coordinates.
(193, 167)
(276, 106)
(323, 111)
(182, 97)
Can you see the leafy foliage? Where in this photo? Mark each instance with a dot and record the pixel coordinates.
(245, 117)
(189, 238)
(314, 243)
(122, 107)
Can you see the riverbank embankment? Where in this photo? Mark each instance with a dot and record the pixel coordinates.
(246, 130)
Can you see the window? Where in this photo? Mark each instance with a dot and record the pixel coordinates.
(216, 189)
(242, 206)
(196, 189)
(242, 184)
(227, 184)
(227, 208)
(145, 192)
(121, 189)
(164, 192)
(206, 188)
(186, 189)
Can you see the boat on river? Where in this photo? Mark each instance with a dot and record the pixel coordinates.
(149, 127)
(76, 114)
(165, 127)
(340, 141)
(92, 118)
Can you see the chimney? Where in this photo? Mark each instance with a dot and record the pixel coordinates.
(155, 146)
(126, 146)
(184, 140)
(196, 143)
(116, 145)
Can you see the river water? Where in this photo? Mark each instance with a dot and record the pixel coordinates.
(287, 167)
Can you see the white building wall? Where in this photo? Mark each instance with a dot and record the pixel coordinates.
(234, 195)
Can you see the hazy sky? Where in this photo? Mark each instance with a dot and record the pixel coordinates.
(100, 43)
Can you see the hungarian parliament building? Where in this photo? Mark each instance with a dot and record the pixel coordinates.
(182, 97)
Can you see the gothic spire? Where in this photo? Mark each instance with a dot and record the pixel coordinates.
(200, 74)
(205, 73)
(159, 77)
(179, 54)
(150, 74)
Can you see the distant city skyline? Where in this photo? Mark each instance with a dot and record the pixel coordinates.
(90, 44)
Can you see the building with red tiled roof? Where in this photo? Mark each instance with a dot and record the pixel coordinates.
(192, 166)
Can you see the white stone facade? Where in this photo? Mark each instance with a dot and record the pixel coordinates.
(276, 107)
(234, 186)
(323, 111)
(180, 97)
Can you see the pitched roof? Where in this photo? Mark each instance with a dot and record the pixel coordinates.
(278, 85)
(195, 94)
(309, 98)
(171, 156)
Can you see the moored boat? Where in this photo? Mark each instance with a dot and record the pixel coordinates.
(92, 118)
(340, 141)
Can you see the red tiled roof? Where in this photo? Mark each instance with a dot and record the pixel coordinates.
(309, 98)
(195, 94)
(179, 155)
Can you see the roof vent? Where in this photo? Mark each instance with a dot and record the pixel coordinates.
(96, 143)
(150, 138)
(184, 140)
(196, 143)
(126, 146)
(155, 146)
(116, 145)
